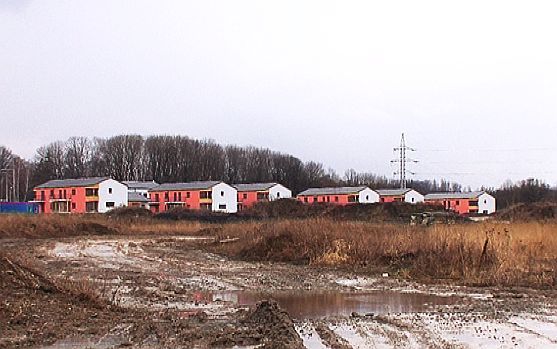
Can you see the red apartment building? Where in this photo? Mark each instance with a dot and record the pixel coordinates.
(339, 195)
(202, 195)
(97, 194)
(250, 194)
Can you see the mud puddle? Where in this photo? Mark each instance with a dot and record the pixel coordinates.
(317, 305)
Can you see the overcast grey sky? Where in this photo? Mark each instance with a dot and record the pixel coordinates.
(472, 84)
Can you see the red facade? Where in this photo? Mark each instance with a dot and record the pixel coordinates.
(67, 199)
(163, 200)
(460, 206)
(338, 199)
(249, 198)
(391, 198)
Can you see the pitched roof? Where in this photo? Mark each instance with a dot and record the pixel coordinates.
(393, 192)
(78, 182)
(454, 195)
(140, 184)
(254, 186)
(332, 191)
(136, 197)
(199, 185)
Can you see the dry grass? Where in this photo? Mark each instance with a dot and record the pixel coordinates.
(54, 226)
(518, 254)
(478, 254)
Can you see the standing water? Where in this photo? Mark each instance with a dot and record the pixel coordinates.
(313, 305)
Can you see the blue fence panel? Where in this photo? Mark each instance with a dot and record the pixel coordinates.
(19, 207)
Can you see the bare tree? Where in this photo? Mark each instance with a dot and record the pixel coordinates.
(77, 157)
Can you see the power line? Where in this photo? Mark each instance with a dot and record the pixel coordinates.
(402, 161)
(489, 149)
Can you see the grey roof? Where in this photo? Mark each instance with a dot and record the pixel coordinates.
(136, 197)
(454, 195)
(392, 192)
(140, 184)
(332, 191)
(78, 182)
(254, 186)
(200, 185)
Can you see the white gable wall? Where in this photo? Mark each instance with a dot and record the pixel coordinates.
(486, 204)
(278, 191)
(112, 191)
(413, 197)
(225, 198)
(368, 196)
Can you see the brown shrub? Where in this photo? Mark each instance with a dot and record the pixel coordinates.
(47, 226)
(537, 211)
(479, 254)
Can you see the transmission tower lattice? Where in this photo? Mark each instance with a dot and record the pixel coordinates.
(402, 161)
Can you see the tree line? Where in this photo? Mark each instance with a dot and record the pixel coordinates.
(165, 158)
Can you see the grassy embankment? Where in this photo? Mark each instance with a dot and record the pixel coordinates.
(517, 254)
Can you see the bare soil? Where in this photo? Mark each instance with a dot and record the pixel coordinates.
(169, 292)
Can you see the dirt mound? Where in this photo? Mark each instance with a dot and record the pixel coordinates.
(94, 228)
(538, 211)
(377, 212)
(34, 306)
(129, 212)
(184, 214)
(275, 325)
(267, 327)
(284, 208)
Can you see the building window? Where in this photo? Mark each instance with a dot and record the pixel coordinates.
(352, 198)
(222, 207)
(412, 200)
(156, 197)
(110, 190)
(110, 204)
(73, 205)
(305, 199)
(91, 192)
(245, 196)
(206, 195)
(367, 197)
(222, 193)
(457, 202)
(166, 194)
(180, 196)
(73, 191)
(187, 195)
(278, 195)
(205, 207)
(91, 206)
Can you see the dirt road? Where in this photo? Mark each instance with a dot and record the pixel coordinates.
(170, 293)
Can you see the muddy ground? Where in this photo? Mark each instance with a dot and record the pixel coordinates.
(114, 292)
